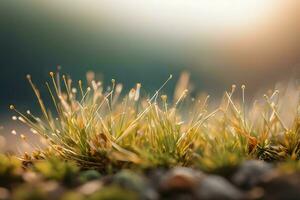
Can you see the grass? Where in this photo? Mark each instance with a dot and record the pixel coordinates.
(104, 129)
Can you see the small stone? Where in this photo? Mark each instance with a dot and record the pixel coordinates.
(90, 187)
(154, 176)
(216, 187)
(89, 175)
(181, 178)
(137, 183)
(4, 194)
(31, 177)
(282, 186)
(52, 188)
(251, 173)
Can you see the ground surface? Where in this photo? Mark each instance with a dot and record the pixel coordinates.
(58, 180)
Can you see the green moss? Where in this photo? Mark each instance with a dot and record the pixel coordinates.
(72, 196)
(28, 192)
(56, 169)
(114, 193)
(10, 170)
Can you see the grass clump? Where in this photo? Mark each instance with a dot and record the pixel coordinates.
(106, 130)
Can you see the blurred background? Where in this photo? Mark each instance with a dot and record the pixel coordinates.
(220, 42)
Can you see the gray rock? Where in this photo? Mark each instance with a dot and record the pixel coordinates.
(216, 187)
(282, 186)
(251, 173)
(89, 175)
(132, 181)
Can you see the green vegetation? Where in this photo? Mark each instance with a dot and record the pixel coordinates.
(101, 144)
(106, 130)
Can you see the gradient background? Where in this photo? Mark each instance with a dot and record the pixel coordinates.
(219, 42)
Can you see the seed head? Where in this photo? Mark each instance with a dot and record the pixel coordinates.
(21, 119)
(74, 90)
(119, 88)
(23, 137)
(131, 94)
(164, 98)
(137, 93)
(33, 131)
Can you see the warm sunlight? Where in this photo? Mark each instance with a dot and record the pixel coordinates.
(176, 18)
(190, 17)
(150, 99)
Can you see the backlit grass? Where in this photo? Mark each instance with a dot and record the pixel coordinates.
(108, 130)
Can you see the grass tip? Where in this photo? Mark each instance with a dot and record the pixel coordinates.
(164, 97)
(28, 76)
(23, 137)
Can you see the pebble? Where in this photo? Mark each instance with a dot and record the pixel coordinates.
(216, 187)
(181, 178)
(31, 177)
(90, 187)
(135, 182)
(251, 173)
(52, 188)
(89, 175)
(4, 194)
(282, 186)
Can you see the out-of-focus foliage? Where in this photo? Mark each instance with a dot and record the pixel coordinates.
(55, 169)
(10, 169)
